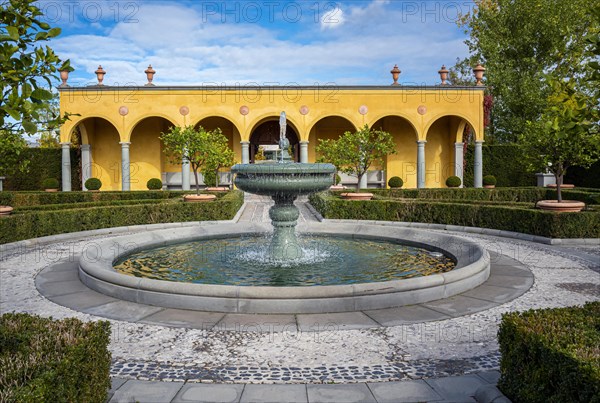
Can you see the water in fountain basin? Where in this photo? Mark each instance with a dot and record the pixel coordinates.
(246, 261)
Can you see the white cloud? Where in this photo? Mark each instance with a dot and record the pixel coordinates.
(186, 48)
(332, 18)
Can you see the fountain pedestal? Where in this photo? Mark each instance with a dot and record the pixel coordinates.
(284, 216)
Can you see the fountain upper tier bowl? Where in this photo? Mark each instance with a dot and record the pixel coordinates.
(273, 178)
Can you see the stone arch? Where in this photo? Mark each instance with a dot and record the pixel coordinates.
(266, 132)
(441, 135)
(405, 135)
(460, 118)
(327, 127)
(146, 156)
(229, 129)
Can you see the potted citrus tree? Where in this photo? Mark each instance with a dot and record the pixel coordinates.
(354, 153)
(197, 146)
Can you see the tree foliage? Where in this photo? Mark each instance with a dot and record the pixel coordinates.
(522, 43)
(27, 67)
(203, 149)
(12, 147)
(354, 153)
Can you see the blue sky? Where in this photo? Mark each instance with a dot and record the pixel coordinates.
(266, 41)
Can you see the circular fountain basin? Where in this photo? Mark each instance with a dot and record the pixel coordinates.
(275, 178)
(97, 272)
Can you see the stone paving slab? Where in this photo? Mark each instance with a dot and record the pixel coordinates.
(82, 300)
(335, 321)
(493, 293)
(459, 305)
(274, 394)
(184, 318)
(404, 391)
(54, 288)
(490, 376)
(124, 310)
(257, 323)
(456, 387)
(405, 315)
(218, 393)
(146, 392)
(518, 282)
(348, 393)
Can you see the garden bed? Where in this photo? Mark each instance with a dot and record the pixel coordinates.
(514, 217)
(51, 219)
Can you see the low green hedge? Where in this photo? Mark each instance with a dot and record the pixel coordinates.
(508, 218)
(69, 206)
(43, 360)
(22, 199)
(517, 194)
(551, 355)
(35, 224)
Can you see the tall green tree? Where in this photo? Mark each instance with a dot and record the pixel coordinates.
(354, 153)
(197, 145)
(28, 67)
(221, 157)
(522, 43)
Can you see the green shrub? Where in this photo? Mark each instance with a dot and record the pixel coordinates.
(453, 212)
(33, 224)
(93, 184)
(504, 162)
(210, 178)
(489, 180)
(453, 182)
(395, 182)
(154, 184)
(50, 183)
(43, 360)
(338, 179)
(551, 355)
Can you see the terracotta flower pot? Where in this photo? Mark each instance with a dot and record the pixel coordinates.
(5, 210)
(50, 190)
(217, 189)
(489, 186)
(563, 186)
(199, 198)
(357, 196)
(566, 206)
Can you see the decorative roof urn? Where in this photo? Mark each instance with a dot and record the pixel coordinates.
(100, 74)
(395, 74)
(443, 72)
(478, 72)
(150, 75)
(64, 76)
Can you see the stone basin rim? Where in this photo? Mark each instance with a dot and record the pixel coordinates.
(96, 271)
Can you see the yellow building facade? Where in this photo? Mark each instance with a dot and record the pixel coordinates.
(119, 128)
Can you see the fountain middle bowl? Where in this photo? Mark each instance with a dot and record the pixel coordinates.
(97, 272)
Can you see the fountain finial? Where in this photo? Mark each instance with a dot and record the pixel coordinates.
(284, 143)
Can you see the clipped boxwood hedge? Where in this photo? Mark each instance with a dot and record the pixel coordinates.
(33, 224)
(551, 355)
(508, 218)
(43, 360)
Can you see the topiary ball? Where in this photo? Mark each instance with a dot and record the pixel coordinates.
(453, 182)
(489, 180)
(154, 184)
(50, 183)
(395, 182)
(93, 184)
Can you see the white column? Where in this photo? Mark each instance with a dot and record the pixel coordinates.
(125, 167)
(458, 162)
(86, 164)
(245, 152)
(304, 152)
(185, 174)
(66, 167)
(478, 164)
(1, 180)
(421, 164)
